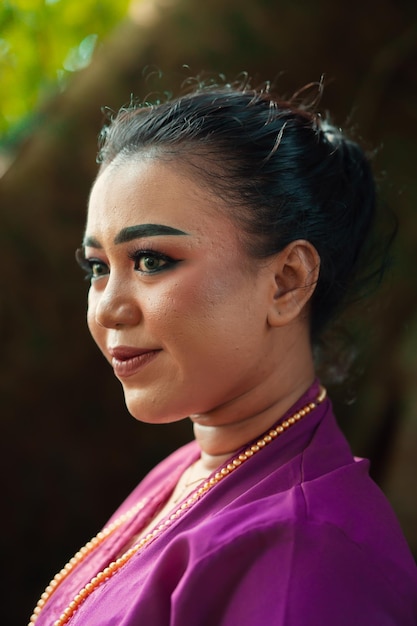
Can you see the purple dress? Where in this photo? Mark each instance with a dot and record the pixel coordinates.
(298, 535)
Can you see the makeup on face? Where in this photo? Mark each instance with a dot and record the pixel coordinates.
(94, 268)
(129, 233)
(174, 300)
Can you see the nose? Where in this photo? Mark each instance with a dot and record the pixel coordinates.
(116, 305)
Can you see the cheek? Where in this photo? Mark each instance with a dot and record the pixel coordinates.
(170, 303)
(196, 299)
(206, 310)
(173, 316)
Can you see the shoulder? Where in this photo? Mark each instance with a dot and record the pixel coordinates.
(291, 572)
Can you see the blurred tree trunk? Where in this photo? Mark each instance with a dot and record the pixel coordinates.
(71, 451)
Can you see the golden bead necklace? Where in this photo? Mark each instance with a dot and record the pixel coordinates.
(114, 566)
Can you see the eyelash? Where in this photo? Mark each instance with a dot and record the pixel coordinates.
(137, 255)
(88, 264)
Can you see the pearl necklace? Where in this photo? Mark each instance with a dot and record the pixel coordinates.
(186, 485)
(114, 566)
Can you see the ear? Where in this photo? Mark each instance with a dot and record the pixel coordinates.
(296, 271)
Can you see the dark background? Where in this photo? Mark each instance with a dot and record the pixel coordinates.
(69, 450)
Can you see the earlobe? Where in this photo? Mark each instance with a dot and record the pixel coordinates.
(296, 271)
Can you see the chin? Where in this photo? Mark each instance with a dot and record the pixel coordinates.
(142, 412)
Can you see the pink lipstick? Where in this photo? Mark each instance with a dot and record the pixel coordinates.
(128, 361)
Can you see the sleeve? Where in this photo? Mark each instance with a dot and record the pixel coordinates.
(294, 575)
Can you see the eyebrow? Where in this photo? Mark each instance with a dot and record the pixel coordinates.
(135, 232)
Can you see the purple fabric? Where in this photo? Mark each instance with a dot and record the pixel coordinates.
(299, 535)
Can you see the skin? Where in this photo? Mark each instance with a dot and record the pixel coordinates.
(231, 332)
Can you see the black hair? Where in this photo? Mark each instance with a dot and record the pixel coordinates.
(286, 173)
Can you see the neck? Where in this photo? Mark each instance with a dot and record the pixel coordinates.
(226, 429)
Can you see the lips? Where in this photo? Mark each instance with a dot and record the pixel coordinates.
(127, 361)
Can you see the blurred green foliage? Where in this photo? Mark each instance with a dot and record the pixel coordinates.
(42, 42)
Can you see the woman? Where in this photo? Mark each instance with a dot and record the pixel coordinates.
(223, 231)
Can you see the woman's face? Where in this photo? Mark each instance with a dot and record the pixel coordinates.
(176, 305)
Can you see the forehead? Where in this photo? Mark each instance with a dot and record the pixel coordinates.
(146, 190)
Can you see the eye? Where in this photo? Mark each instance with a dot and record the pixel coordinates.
(97, 268)
(150, 262)
(93, 268)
